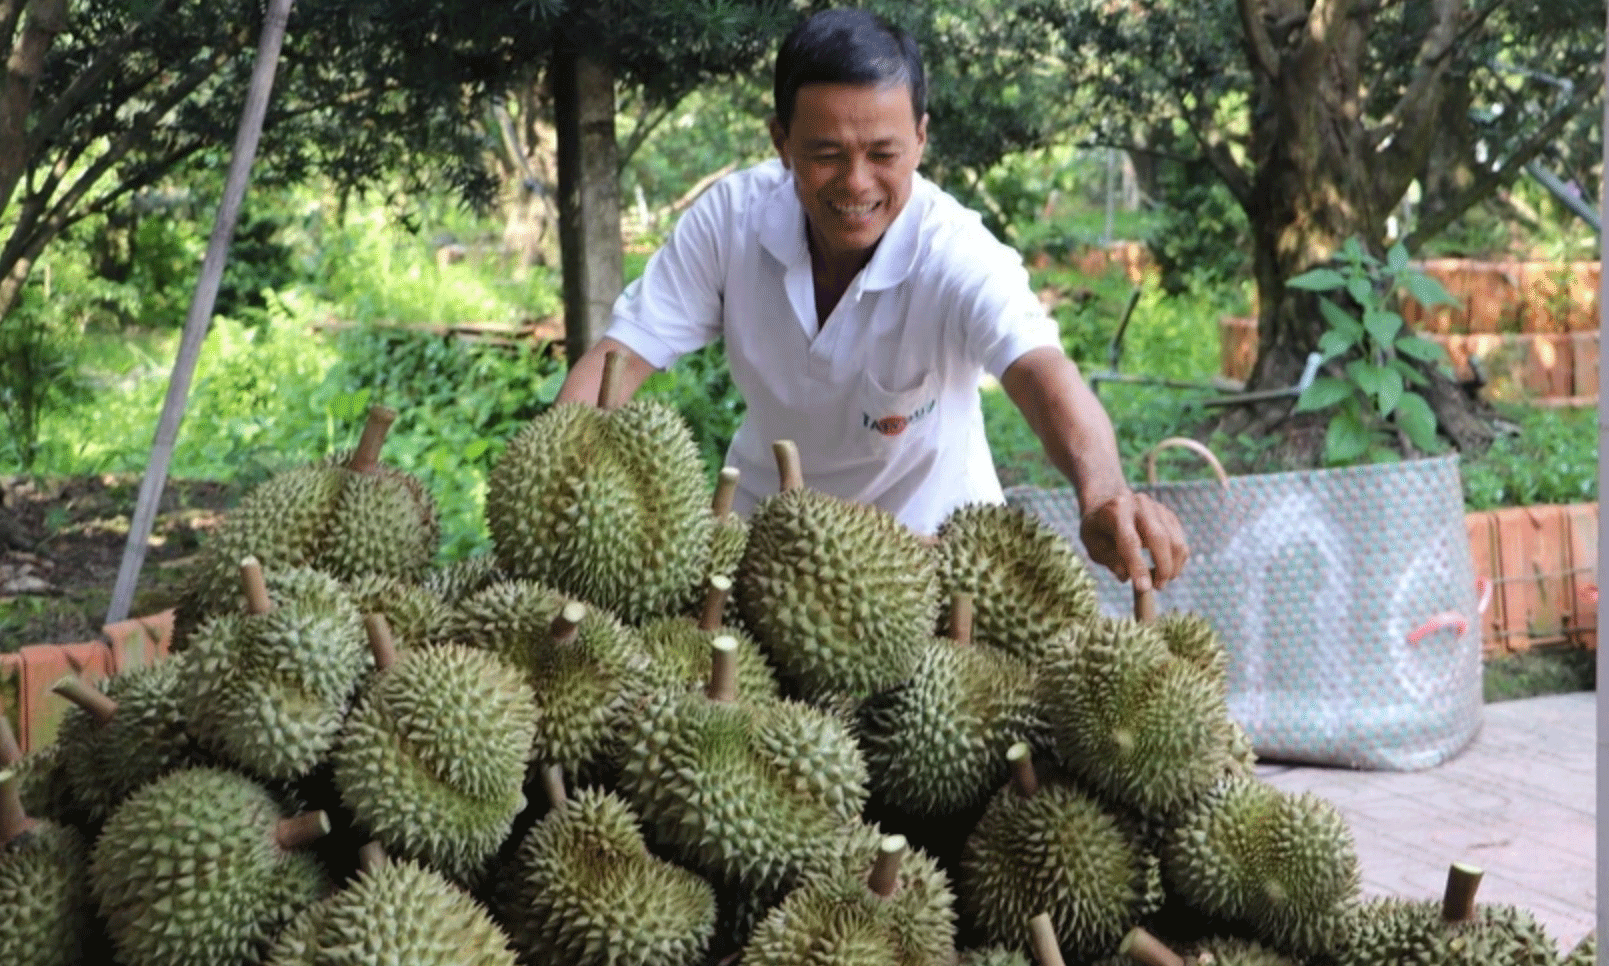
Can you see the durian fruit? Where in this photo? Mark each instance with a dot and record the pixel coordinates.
(994, 956)
(455, 581)
(743, 792)
(1238, 952)
(432, 759)
(1282, 865)
(588, 672)
(393, 912)
(589, 893)
(876, 905)
(936, 744)
(730, 534)
(609, 504)
(268, 689)
(416, 616)
(1028, 583)
(1192, 637)
(1146, 729)
(841, 595)
(1046, 847)
(1452, 932)
(1585, 952)
(41, 777)
(346, 515)
(678, 648)
(43, 886)
(202, 866)
(114, 742)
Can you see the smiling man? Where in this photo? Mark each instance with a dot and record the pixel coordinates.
(861, 305)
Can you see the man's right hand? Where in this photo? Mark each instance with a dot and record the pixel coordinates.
(586, 376)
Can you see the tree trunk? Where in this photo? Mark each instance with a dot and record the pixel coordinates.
(526, 161)
(589, 195)
(25, 61)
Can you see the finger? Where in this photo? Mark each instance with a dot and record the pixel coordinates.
(1164, 539)
(1130, 550)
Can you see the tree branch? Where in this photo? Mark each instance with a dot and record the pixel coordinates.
(1414, 130)
(1215, 151)
(1260, 48)
(45, 19)
(10, 14)
(1318, 38)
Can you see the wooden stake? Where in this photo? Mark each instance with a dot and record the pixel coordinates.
(1145, 605)
(723, 669)
(1146, 949)
(715, 602)
(568, 622)
(381, 645)
(725, 491)
(256, 588)
(1042, 937)
(372, 857)
(299, 830)
(1023, 777)
(1458, 902)
(790, 475)
(885, 870)
(14, 821)
(99, 706)
(553, 785)
(961, 616)
(609, 386)
(367, 456)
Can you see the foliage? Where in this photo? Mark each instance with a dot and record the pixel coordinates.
(1551, 456)
(1200, 235)
(1369, 339)
(38, 369)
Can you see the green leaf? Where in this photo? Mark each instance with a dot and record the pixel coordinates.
(1383, 325)
(1318, 280)
(1397, 258)
(1426, 290)
(1384, 454)
(1424, 350)
(1346, 439)
(1334, 345)
(1361, 290)
(1409, 372)
(1390, 390)
(1340, 320)
(1323, 393)
(1418, 421)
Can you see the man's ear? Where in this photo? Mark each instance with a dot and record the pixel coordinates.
(921, 138)
(779, 140)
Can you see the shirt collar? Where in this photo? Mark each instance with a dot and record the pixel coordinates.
(782, 233)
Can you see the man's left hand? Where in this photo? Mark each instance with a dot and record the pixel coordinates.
(1118, 532)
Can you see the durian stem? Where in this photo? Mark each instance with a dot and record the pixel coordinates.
(567, 624)
(1146, 949)
(367, 456)
(723, 669)
(381, 644)
(372, 857)
(1145, 605)
(1023, 777)
(885, 870)
(99, 706)
(553, 785)
(10, 749)
(1042, 937)
(790, 476)
(300, 830)
(14, 820)
(255, 587)
(1458, 902)
(715, 603)
(725, 491)
(614, 366)
(961, 617)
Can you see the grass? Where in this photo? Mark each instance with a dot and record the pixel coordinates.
(1539, 672)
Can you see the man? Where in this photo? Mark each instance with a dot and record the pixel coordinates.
(861, 305)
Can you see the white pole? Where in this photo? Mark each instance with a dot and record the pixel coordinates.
(1603, 546)
(201, 305)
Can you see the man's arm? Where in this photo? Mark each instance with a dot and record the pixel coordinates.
(581, 385)
(1078, 439)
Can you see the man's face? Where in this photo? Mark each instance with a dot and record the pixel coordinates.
(853, 150)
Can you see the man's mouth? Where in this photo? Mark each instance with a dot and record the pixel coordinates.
(853, 211)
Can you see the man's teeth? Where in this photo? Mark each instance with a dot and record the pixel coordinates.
(864, 209)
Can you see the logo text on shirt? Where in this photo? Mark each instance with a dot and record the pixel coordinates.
(894, 425)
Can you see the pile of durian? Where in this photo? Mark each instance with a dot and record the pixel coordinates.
(646, 732)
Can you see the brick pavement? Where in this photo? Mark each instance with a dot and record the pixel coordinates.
(1519, 802)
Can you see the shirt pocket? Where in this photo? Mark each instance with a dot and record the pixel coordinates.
(888, 421)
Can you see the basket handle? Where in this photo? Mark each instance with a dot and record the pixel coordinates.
(1451, 618)
(1191, 445)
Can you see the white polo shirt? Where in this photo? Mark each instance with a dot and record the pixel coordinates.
(883, 399)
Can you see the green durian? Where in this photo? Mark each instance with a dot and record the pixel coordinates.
(1192, 637)
(201, 866)
(455, 581)
(678, 649)
(43, 886)
(394, 913)
(1453, 932)
(589, 893)
(1238, 952)
(432, 759)
(743, 792)
(1283, 865)
(113, 743)
(610, 505)
(269, 690)
(384, 524)
(873, 904)
(1046, 847)
(1028, 584)
(1585, 952)
(994, 956)
(1145, 729)
(41, 779)
(841, 595)
(415, 615)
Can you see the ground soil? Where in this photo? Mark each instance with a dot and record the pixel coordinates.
(62, 541)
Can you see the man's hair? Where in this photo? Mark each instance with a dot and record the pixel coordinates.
(847, 46)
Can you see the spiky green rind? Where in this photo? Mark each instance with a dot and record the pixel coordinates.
(269, 691)
(415, 615)
(1238, 952)
(187, 871)
(679, 653)
(840, 595)
(384, 523)
(743, 792)
(1028, 584)
(1396, 931)
(459, 579)
(1585, 952)
(1148, 730)
(144, 740)
(432, 759)
(834, 911)
(1192, 637)
(398, 913)
(1059, 852)
(936, 744)
(994, 956)
(44, 892)
(612, 507)
(728, 538)
(1284, 865)
(590, 893)
(43, 786)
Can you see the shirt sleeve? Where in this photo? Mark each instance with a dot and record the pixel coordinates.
(1000, 317)
(675, 307)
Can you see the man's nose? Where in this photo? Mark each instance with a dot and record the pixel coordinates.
(859, 175)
